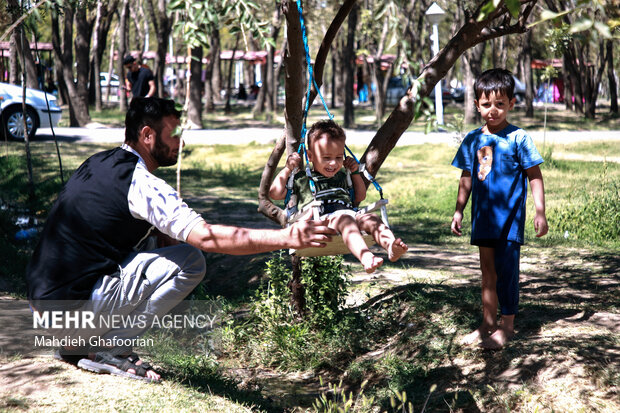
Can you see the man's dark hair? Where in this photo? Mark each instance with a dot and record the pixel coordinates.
(145, 111)
(128, 59)
(495, 80)
(326, 126)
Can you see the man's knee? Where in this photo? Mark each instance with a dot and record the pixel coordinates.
(195, 260)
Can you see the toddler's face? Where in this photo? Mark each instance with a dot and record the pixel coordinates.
(494, 109)
(326, 155)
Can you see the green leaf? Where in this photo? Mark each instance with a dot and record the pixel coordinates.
(581, 26)
(514, 7)
(603, 30)
(488, 8)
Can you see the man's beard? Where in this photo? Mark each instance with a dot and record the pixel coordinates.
(163, 154)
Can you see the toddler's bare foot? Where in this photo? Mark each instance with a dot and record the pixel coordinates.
(396, 249)
(497, 340)
(477, 335)
(370, 262)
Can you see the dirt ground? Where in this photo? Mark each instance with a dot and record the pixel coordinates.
(561, 354)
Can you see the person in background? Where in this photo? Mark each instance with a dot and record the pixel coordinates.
(141, 80)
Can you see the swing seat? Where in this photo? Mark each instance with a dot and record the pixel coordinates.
(337, 245)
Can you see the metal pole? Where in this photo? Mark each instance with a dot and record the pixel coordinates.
(438, 93)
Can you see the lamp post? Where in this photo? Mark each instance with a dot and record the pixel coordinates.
(435, 15)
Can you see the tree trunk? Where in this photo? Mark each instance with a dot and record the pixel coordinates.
(228, 108)
(162, 25)
(20, 43)
(96, 58)
(122, 42)
(527, 75)
(216, 77)
(472, 63)
(265, 94)
(349, 59)
(214, 50)
(194, 110)
(63, 51)
(613, 85)
(82, 52)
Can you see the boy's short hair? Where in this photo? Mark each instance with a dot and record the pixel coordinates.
(328, 126)
(495, 80)
(145, 111)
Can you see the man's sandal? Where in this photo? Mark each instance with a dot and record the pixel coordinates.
(134, 359)
(106, 363)
(71, 356)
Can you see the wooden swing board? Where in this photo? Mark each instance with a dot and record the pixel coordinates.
(335, 247)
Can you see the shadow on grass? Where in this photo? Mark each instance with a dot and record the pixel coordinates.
(415, 329)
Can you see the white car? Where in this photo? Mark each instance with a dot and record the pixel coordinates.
(38, 113)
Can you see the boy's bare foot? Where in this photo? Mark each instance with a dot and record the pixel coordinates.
(396, 249)
(477, 335)
(370, 262)
(497, 340)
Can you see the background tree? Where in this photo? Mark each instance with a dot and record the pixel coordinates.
(580, 37)
(162, 26)
(74, 94)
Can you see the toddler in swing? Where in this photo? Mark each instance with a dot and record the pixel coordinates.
(326, 145)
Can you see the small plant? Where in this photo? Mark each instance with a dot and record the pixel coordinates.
(337, 400)
(326, 283)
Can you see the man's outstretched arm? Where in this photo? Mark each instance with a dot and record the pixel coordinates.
(232, 240)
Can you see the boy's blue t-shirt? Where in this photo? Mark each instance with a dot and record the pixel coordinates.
(497, 164)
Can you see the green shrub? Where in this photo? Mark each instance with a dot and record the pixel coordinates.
(326, 285)
(593, 217)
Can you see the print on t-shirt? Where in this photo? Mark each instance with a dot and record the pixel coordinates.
(485, 161)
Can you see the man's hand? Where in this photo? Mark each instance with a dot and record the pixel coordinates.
(457, 223)
(540, 225)
(350, 164)
(304, 234)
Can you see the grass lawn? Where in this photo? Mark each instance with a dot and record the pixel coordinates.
(400, 330)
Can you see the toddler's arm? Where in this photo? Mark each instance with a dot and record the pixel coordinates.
(277, 190)
(461, 200)
(358, 182)
(538, 194)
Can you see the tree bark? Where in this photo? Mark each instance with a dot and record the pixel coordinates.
(122, 42)
(63, 52)
(84, 27)
(613, 85)
(228, 108)
(350, 70)
(194, 110)
(19, 43)
(211, 93)
(162, 25)
(527, 74)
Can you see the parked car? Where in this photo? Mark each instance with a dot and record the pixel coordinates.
(446, 94)
(113, 82)
(37, 112)
(396, 89)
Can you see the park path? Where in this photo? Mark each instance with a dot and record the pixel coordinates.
(98, 133)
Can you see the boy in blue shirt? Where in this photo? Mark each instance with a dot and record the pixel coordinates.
(497, 159)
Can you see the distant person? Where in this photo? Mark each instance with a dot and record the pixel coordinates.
(96, 253)
(326, 142)
(497, 159)
(140, 78)
(242, 94)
